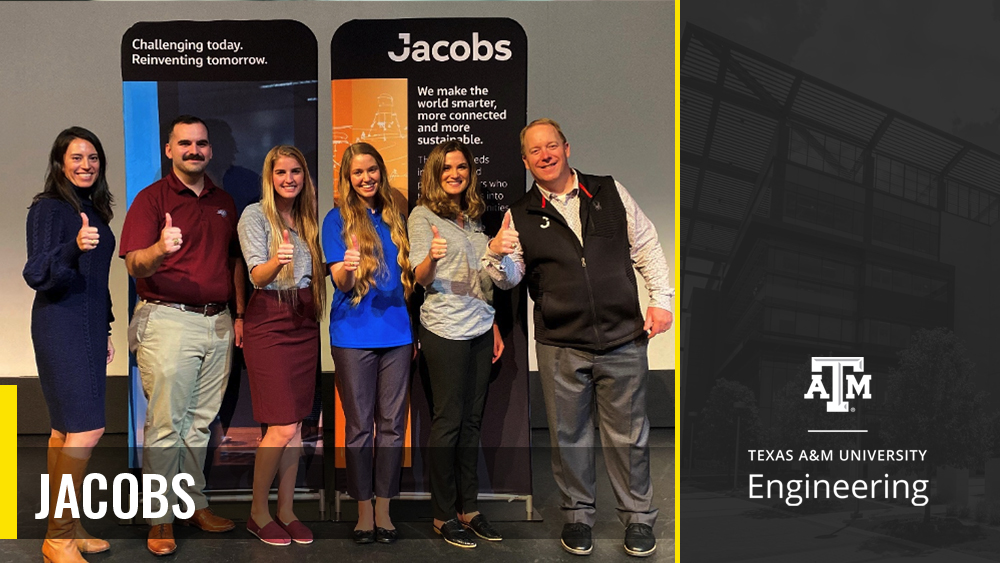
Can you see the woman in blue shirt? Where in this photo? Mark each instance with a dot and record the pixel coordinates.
(367, 252)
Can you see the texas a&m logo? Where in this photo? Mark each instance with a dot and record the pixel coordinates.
(844, 385)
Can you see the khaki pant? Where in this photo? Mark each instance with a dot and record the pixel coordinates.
(183, 361)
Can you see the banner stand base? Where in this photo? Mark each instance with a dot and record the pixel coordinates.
(529, 507)
(221, 496)
(241, 495)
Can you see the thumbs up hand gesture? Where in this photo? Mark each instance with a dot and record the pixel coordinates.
(87, 238)
(352, 257)
(286, 250)
(439, 246)
(506, 239)
(170, 237)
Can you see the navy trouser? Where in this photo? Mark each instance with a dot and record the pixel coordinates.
(373, 385)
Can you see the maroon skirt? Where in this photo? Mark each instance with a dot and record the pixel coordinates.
(281, 347)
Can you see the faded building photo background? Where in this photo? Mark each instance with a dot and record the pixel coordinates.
(840, 194)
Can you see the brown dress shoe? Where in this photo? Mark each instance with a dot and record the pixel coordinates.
(208, 521)
(161, 540)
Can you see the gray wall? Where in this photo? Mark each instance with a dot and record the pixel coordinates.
(605, 71)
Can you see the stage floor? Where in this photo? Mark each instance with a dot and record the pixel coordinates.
(523, 541)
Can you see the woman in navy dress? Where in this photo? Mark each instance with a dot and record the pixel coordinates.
(69, 255)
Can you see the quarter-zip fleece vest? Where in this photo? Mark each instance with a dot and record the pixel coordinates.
(585, 295)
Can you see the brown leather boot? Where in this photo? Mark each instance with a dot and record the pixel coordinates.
(85, 542)
(60, 545)
(61, 551)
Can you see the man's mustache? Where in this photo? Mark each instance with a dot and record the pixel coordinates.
(193, 157)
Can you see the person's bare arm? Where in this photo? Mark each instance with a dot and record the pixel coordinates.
(144, 262)
(239, 290)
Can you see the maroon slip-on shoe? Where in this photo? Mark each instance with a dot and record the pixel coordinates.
(297, 531)
(271, 534)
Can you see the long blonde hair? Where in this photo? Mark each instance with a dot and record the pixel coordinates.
(354, 213)
(304, 213)
(432, 194)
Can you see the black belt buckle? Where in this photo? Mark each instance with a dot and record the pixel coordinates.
(208, 310)
(213, 309)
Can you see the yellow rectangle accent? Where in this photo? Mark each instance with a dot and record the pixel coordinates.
(678, 363)
(8, 467)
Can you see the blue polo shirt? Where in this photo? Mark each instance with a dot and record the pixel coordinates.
(380, 320)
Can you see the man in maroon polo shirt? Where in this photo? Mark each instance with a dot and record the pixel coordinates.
(180, 244)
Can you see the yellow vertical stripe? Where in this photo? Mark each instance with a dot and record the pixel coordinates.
(8, 462)
(677, 278)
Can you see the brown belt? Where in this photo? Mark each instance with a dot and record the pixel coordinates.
(209, 309)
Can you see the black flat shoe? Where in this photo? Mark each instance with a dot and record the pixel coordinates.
(383, 535)
(364, 536)
(482, 528)
(453, 533)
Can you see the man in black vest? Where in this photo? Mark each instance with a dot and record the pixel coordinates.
(579, 240)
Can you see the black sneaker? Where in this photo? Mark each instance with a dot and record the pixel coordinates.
(453, 533)
(482, 528)
(576, 539)
(639, 540)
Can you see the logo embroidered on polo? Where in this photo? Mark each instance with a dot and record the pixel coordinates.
(597, 205)
(222, 212)
(545, 222)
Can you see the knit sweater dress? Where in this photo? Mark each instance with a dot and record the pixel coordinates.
(71, 315)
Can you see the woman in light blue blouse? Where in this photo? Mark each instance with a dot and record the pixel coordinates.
(372, 343)
(280, 241)
(458, 338)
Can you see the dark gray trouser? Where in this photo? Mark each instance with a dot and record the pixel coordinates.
(372, 386)
(459, 372)
(571, 380)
